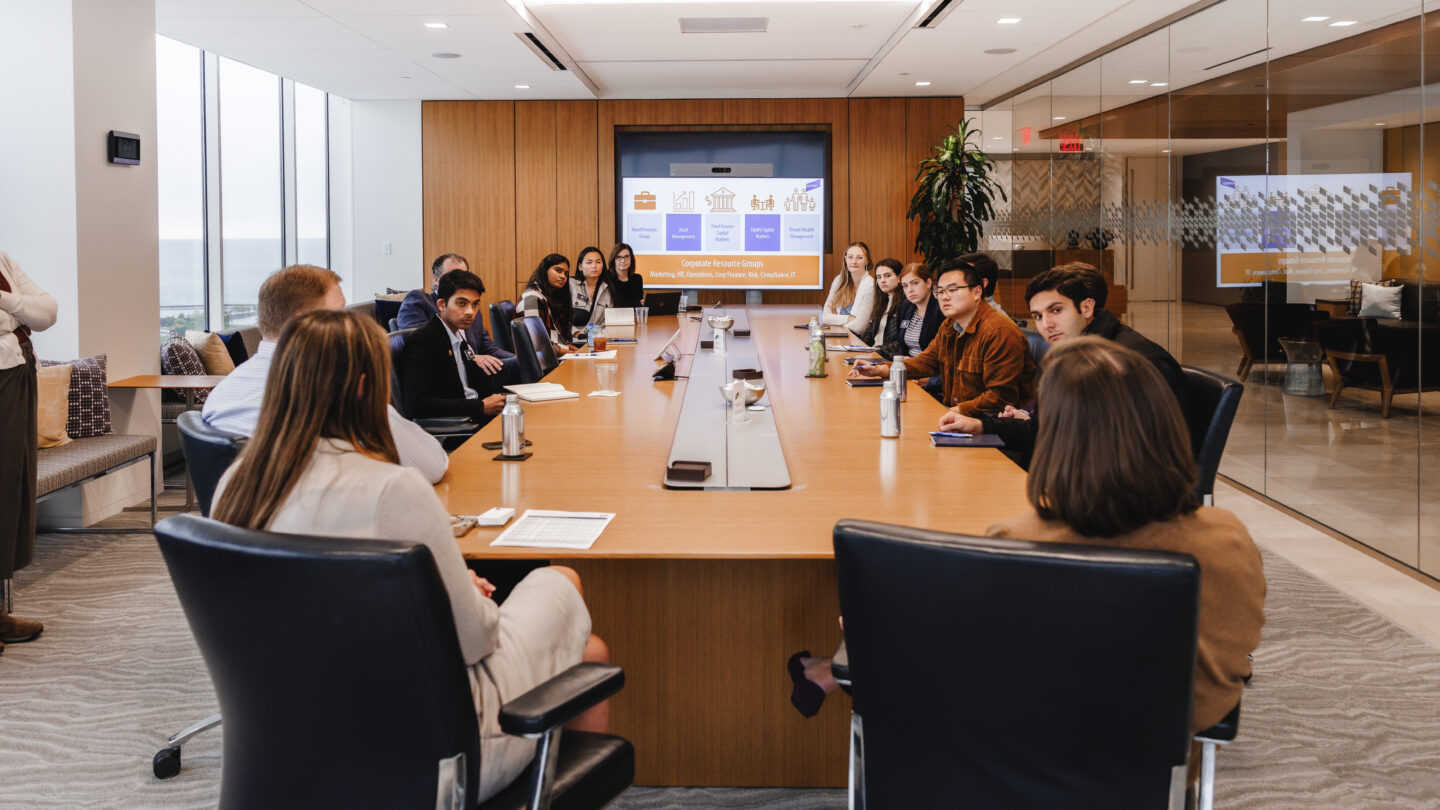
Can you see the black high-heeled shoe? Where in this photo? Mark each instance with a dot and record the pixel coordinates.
(806, 696)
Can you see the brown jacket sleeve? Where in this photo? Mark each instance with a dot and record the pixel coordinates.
(1002, 354)
(929, 362)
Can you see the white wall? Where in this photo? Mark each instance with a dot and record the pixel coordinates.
(386, 195)
(37, 174)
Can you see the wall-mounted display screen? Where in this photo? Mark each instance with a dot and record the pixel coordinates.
(714, 232)
(1286, 228)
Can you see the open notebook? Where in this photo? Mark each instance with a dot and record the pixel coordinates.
(541, 391)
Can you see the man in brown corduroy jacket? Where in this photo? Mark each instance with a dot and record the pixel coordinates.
(983, 359)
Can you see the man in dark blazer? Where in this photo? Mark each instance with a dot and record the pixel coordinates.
(420, 306)
(439, 366)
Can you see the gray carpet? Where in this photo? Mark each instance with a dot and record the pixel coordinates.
(1344, 711)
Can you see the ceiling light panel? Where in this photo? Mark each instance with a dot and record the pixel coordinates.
(723, 25)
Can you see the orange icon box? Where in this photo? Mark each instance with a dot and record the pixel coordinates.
(644, 201)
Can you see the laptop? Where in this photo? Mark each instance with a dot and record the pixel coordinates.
(663, 302)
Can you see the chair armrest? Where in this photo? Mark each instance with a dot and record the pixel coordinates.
(561, 699)
(1225, 730)
(447, 425)
(840, 665)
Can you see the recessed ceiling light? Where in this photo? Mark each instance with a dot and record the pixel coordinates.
(1139, 81)
(858, 26)
(1016, 149)
(1342, 23)
(445, 55)
(1007, 21)
(522, 87)
(1315, 19)
(1164, 150)
(1159, 84)
(436, 25)
(998, 138)
(1379, 123)
(1000, 51)
(922, 84)
(1059, 118)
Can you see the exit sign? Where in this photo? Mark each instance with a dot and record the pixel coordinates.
(1070, 141)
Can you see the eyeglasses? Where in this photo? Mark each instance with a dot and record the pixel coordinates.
(953, 289)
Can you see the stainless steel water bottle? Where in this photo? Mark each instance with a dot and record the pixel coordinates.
(512, 427)
(897, 376)
(889, 411)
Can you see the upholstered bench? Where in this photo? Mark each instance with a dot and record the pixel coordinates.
(59, 468)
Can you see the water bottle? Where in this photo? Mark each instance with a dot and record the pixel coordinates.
(815, 330)
(590, 338)
(512, 427)
(817, 355)
(897, 376)
(889, 411)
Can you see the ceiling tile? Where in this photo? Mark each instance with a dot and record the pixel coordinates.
(751, 78)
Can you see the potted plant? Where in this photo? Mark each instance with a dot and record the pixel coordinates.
(954, 197)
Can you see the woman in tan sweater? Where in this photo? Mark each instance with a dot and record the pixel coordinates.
(1113, 466)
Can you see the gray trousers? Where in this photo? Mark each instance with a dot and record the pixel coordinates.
(18, 429)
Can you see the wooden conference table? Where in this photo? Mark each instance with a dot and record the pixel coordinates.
(703, 595)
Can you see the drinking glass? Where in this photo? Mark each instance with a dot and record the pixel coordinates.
(605, 376)
(641, 313)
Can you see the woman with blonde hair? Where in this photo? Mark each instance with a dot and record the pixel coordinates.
(322, 462)
(852, 294)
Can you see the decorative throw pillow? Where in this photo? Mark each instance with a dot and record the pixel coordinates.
(1380, 302)
(387, 308)
(1355, 291)
(89, 397)
(235, 344)
(213, 354)
(177, 356)
(53, 405)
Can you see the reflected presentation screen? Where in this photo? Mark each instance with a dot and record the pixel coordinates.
(740, 233)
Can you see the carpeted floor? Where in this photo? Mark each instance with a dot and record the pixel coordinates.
(1344, 711)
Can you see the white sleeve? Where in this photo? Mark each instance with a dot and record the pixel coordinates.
(26, 303)
(409, 510)
(833, 318)
(864, 304)
(417, 448)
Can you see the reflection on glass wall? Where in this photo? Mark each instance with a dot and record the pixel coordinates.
(1258, 181)
(312, 177)
(179, 111)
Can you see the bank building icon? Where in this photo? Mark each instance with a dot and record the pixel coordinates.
(721, 200)
(683, 201)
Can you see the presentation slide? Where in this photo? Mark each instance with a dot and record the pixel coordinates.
(713, 233)
(1307, 228)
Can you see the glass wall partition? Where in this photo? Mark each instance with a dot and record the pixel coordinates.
(1260, 183)
(180, 169)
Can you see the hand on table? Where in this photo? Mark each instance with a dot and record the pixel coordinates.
(955, 422)
(489, 363)
(868, 370)
(486, 589)
(1012, 412)
(494, 404)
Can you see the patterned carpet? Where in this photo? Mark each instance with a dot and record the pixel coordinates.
(1344, 711)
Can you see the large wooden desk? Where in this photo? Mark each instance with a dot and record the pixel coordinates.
(702, 595)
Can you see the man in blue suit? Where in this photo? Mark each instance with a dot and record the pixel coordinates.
(419, 308)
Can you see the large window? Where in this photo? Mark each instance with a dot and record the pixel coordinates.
(230, 212)
(180, 146)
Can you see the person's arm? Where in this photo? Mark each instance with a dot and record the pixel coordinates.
(425, 366)
(924, 364)
(1002, 361)
(864, 304)
(409, 510)
(417, 448)
(829, 316)
(414, 312)
(26, 303)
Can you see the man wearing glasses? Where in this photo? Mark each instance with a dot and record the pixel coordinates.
(983, 359)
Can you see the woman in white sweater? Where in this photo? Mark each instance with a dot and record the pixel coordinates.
(852, 294)
(322, 462)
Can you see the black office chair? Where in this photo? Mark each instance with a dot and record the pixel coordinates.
(533, 349)
(1001, 673)
(1210, 403)
(394, 325)
(450, 430)
(319, 716)
(208, 453)
(501, 314)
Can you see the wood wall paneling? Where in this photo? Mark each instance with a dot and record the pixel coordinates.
(877, 176)
(537, 230)
(927, 121)
(468, 167)
(577, 196)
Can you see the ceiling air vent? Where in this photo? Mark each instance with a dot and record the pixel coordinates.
(938, 14)
(723, 25)
(533, 43)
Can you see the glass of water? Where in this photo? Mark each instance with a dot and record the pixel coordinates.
(605, 374)
(641, 313)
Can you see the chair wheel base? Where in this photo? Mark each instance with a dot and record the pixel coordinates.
(167, 762)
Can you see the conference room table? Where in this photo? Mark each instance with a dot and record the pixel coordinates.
(702, 595)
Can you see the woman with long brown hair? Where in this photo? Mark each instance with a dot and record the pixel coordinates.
(1113, 466)
(322, 462)
(547, 297)
(852, 294)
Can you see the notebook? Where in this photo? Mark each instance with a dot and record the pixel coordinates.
(867, 382)
(541, 391)
(619, 316)
(965, 440)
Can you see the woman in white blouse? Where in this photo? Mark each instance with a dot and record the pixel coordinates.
(322, 462)
(852, 294)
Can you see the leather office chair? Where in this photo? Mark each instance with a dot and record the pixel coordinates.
(450, 430)
(501, 314)
(1003, 673)
(394, 325)
(532, 349)
(318, 716)
(1210, 403)
(208, 453)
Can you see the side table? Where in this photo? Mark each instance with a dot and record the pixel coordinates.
(187, 384)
